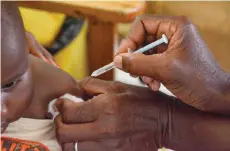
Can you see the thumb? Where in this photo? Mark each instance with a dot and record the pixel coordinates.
(140, 64)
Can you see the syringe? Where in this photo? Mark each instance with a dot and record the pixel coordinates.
(141, 50)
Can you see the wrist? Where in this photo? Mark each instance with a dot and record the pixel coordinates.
(225, 87)
(190, 129)
(161, 109)
(220, 94)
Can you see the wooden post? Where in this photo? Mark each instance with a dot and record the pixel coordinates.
(100, 45)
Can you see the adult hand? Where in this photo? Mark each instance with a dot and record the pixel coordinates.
(127, 118)
(185, 66)
(118, 117)
(38, 50)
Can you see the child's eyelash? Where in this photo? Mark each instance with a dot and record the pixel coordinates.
(15, 83)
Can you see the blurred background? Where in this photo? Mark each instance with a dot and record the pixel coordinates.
(83, 36)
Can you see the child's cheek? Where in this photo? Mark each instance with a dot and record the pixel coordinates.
(17, 101)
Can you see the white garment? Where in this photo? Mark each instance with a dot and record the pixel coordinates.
(42, 131)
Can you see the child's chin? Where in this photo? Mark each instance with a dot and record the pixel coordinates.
(4, 125)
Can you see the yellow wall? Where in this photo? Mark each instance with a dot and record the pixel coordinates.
(45, 26)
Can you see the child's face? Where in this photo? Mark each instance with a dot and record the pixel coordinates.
(16, 78)
(16, 84)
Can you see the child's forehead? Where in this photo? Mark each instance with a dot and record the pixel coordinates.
(13, 42)
(14, 54)
(14, 62)
(13, 47)
(12, 29)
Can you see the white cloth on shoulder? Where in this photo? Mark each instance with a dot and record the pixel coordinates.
(54, 112)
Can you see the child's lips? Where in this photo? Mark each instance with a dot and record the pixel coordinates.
(4, 125)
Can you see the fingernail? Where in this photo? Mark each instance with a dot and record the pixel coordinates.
(45, 59)
(147, 79)
(58, 66)
(118, 62)
(144, 79)
(55, 64)
(153, 87)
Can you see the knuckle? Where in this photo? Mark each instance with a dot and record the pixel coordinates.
(184, 20)
(85, 82)
(110, 131)
(110, 88)
(60, 130)
(128, 64)
(65, 106)
(60, 107)
(115, 86)
(112, 106)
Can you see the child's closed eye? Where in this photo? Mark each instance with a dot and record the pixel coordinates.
(9, 86)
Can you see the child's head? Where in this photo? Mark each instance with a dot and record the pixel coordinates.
(16, 78)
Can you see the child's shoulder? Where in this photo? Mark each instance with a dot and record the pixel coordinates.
(49, 83)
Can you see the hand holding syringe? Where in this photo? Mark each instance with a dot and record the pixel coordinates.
(141, 50)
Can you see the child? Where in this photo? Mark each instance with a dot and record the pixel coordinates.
(27, 87)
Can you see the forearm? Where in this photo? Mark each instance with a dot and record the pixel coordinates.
(190, 129)
(220, 100)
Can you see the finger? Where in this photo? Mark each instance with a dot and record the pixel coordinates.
(140, 64)
(149, 39)
(94, 86)
(81, 112)
(131, 51)
(144, 26)
(134, 76)
(34, 47)
(155, 85)
(48, 56)
(67, 133)
(90, 146)
(77, 91)
(68, 147)
(147, 80)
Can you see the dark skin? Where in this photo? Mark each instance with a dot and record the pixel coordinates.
(120, 117)
(49, 83)
(185, 57)
(116, 118)
(124, 117)
(27, 84)
(16, 77)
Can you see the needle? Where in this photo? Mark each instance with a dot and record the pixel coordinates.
(141, 50)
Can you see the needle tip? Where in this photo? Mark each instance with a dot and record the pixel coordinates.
(93, 74)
